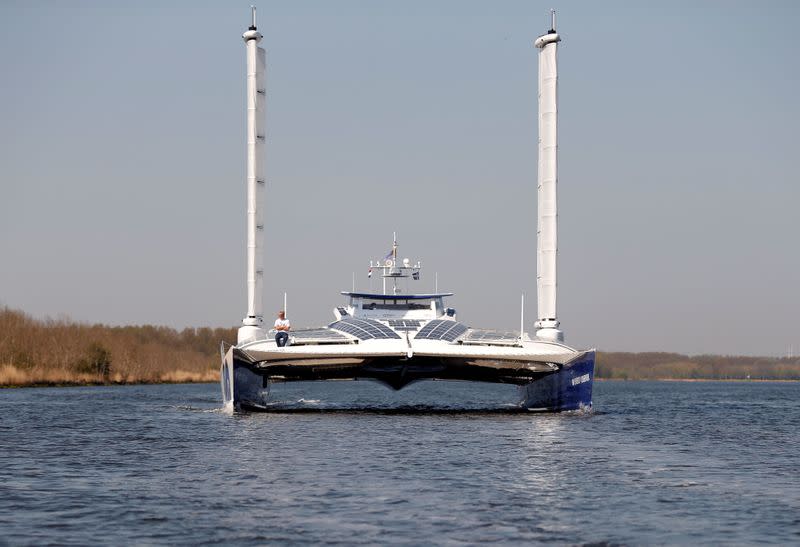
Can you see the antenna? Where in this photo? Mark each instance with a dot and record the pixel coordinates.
(394, 261)
(253, 13)
(552, 19)
(285, 310)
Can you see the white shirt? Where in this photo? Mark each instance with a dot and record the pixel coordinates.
(282, 323)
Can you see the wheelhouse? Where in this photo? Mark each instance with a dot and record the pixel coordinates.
(419, 307)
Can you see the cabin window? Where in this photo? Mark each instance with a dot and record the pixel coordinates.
(404, 304)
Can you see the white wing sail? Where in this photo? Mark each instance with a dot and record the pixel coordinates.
(547, 223)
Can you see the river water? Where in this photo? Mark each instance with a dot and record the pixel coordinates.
(438, 463)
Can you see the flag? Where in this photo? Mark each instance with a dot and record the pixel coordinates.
(388, 256)
(415, 275)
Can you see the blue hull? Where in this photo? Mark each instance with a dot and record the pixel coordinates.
(242, 388)
(570, 388)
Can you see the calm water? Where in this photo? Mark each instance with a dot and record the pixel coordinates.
(656, 463)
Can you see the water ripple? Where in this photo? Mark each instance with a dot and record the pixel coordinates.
(652, 463)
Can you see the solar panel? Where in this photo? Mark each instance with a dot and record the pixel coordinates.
(441, 329)
(364, 329)
(313, 335)
(490, 336)
(404, 324)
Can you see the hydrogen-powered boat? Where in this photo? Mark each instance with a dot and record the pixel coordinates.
(395, 337)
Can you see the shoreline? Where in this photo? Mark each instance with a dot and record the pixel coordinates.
(56, 384)
(12, 377)
(102, 384)
(740, 380)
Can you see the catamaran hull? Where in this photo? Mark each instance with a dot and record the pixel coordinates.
(245, 383)
(242, 387)
(570, 388)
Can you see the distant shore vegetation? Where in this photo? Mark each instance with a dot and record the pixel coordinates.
(64, 352)
(674, 366)
(47, 352)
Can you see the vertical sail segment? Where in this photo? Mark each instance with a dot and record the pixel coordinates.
(547, 224)
(256, 182)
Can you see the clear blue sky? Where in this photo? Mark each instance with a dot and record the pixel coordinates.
(122, 162)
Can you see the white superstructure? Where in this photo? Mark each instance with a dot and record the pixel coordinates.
(547, 224)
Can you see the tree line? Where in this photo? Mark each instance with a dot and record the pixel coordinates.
(662, 366)
(61, 351)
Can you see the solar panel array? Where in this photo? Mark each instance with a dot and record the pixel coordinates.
(364, 329)
(322, 334)
(489, 336)
(404, 324)
(441, 329)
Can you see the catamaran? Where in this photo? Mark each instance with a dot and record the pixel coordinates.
(395, 337)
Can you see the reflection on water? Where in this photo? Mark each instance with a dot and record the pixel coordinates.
(439, 462)
(372, 396)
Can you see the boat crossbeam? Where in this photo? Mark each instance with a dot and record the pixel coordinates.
(399, 373)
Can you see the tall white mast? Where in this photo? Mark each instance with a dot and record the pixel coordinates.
(256, 136)
(547, 225)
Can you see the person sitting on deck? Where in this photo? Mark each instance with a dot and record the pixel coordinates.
(282, 325)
